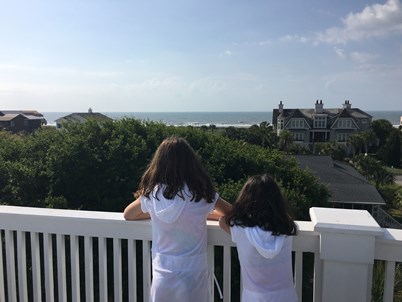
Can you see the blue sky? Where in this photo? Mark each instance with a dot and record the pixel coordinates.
(191, 55)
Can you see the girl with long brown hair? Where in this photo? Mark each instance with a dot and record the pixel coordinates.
(261, 225)
(178, 195)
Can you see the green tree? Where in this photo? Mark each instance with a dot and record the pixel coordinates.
(390, 151)
(368, 137)
(96, 166)
(382, 128)
(373, 170)
(285, 140)
(355, 140)
(332, 148)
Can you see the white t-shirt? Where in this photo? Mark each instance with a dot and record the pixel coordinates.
(266, 265)
(179, 247)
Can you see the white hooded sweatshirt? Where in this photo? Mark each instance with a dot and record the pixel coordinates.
(179, 247)
(266, 265)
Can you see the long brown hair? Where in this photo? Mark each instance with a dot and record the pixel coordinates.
(260, 203)
(175, 165)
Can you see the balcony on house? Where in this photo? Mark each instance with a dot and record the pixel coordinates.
(70, 255)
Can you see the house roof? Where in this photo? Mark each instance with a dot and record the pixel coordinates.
(82, 117)
(8, 115)
(345, 184)
(331, 113)
(23, 112)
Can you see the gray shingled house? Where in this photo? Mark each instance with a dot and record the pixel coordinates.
(82, 117)
(348, 188)
(319, 124)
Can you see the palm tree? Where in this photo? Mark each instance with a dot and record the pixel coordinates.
(368, 137)
(355, 140)
(285, 140)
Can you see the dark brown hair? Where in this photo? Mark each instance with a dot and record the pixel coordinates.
(261, 203)
(175, 165)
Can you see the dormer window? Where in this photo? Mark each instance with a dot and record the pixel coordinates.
(345, 124)
(320, 122)
(296, 123)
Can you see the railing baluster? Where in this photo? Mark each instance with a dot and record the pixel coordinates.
(10, 260)
(22, 266)
(299, 273)
(75, 269)
(48, 265)
(89, 269)
(227, 265)
(211, 268)
(389, 281)
(102, 250)
(132, 270)
(36, 275)
(146, 268)
(317, 295)
(117, 270)
(61, 267)
(2, 287)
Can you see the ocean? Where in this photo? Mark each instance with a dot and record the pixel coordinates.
(219, 119)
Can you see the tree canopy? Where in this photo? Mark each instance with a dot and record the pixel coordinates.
(96, 166)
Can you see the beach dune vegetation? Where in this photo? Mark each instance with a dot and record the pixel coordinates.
(96, 166)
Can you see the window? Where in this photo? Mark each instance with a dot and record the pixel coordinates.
(345, 124)
(280, 124)
(12, 124)
(26, 123)
(298, 136)
(320, 122)
(296, 123)
(342, 137)
(364, 121)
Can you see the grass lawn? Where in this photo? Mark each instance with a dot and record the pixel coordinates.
(394, 171)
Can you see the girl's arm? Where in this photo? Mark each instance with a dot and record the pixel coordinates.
(133, 211)
(223, 224)
(222, 207)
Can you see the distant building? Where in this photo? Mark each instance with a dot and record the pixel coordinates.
(82, 118)
(21, 120)
(319, 124)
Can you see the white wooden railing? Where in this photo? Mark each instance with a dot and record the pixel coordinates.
(67, 255)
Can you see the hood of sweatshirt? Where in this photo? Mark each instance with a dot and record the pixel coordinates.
(265, 243)
(169, 210)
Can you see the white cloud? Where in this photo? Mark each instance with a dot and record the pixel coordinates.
(362, 57)
(374, 21)
(226, 53)
(355, 56)
(340, 52)
(294, 38)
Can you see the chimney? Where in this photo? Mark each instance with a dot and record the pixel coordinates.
(90, 110)
(319, 106)
(347, 105)
(280, 107)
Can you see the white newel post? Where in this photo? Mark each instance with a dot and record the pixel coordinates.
(347, 242)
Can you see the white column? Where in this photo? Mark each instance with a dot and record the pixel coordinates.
(347, 241)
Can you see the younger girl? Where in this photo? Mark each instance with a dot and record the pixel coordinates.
(260, 225)
(178, 196)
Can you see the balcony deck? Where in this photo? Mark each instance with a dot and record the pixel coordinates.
(67, 255)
